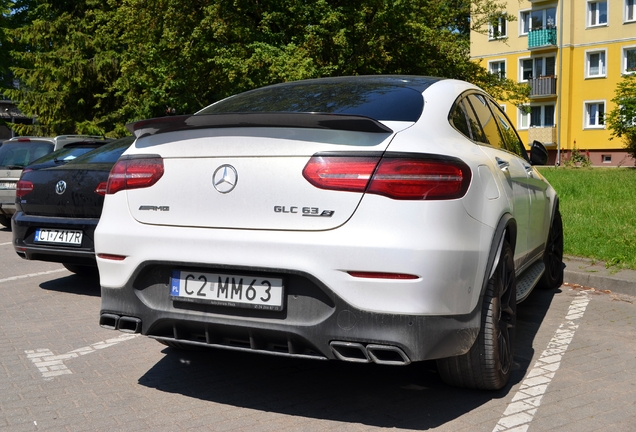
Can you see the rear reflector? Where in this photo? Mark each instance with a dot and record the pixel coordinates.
(400, 178)
(134, 173)
(111, 257)
(380, 275)
(23, 187)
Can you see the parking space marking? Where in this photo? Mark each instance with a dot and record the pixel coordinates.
(12, 278)
(524, 405)
(6, 244)
(51, 365)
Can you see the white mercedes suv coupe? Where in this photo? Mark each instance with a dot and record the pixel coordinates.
(386, 219)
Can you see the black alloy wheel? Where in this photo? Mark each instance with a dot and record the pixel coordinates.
(553, 256)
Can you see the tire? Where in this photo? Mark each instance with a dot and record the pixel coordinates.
(488, 363)
(553, 256)
(82, 270)
(5, 221)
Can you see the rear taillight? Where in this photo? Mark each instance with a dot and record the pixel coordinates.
(134, 174)
(340, 173)
(101, 188)
(23, 187)
(397, 178)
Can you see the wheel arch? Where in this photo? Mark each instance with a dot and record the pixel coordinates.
(506, 230)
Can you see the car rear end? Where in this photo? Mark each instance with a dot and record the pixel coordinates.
(294, 235)
(58, 207)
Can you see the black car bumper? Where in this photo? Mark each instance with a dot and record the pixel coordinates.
(315, 323)
(24, 227)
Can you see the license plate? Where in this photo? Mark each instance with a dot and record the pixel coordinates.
(7, 185)
(222, 289)
(58, 236)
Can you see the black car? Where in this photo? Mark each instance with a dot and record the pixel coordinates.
(57, 208)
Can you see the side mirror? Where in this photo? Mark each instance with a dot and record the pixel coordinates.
(538, 153)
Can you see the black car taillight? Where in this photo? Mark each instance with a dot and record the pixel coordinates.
(400, 178)
(23, 187)
(134, 173)
(101, 188)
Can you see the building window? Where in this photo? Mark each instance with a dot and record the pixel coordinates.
(596, 13)
(536, 116)
(629, 60)
(537, 20)
(595, 64)
(537, 67)
(498, 29)
(606, 158)
(497, 68)
(594, 114)
(630, 12)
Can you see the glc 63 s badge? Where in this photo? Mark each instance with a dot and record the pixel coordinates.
(305, 211)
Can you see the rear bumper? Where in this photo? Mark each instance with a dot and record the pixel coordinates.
(315, 323)
(7, 209)
(24, 226)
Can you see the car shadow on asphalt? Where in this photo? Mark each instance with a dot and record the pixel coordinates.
(75, 284)
(412, 397)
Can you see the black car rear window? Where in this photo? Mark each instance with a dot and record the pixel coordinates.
(108, 153)
(20, 154)
(389, 98)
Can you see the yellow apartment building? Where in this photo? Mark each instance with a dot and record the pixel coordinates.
(572, 53)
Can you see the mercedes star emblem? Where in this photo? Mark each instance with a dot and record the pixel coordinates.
(225, 179)
(60, 187)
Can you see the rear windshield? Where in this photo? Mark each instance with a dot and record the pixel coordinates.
(380, 98)
(65, 154)
(16, 155)
(108, 153)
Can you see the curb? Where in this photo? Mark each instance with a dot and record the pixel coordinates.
(589, 273)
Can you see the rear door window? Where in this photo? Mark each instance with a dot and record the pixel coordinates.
(487, 120)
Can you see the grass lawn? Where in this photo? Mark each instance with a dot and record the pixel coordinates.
(598, 206)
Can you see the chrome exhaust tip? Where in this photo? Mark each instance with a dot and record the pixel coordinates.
(350, 351)
(387, 355)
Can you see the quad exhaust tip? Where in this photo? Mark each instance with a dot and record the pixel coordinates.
(372, 353)
(121, 323)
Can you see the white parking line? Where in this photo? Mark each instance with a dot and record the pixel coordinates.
(53, 365)
(12, 278)
(5, 244)
(526, 401)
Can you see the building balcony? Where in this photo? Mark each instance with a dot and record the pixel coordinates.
(545, 135)
(542, 38)
(543, 86)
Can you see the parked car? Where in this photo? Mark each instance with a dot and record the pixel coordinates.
(18, 152)
(386, 219)
(58, 208)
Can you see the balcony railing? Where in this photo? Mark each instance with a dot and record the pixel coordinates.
(543, 86)
(542, 38)
(545, 135)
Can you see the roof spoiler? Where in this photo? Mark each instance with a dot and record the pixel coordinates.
(279, 120)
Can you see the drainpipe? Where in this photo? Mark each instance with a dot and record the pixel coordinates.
(560, 77)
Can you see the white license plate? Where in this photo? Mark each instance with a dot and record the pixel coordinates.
(58, 236)
(228, 290)
(7, 185)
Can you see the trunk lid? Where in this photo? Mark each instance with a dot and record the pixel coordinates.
(258, 173)
(66, 191)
